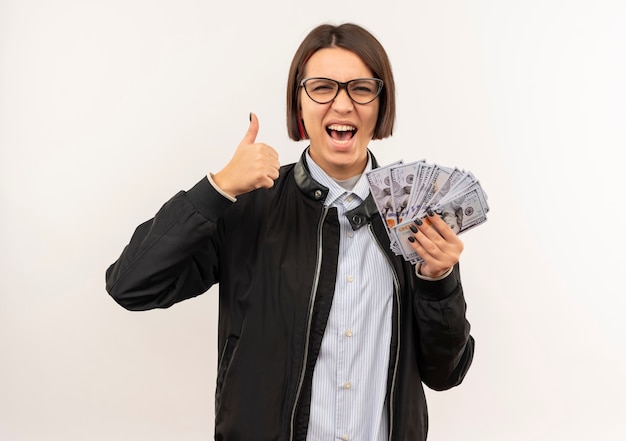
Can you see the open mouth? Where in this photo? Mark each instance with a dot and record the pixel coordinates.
(341, 133)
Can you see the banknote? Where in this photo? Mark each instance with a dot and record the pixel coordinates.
(434, 181)
(465, 211)
(403, 178)
(405, 191)
(379, 180)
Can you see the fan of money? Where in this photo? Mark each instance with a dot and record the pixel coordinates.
(404, 191)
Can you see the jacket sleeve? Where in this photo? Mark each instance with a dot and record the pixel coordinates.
(446, 348)
(173, 256)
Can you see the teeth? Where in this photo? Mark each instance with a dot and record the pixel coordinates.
(338, 128)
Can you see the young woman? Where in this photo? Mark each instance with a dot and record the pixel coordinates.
(324, 333)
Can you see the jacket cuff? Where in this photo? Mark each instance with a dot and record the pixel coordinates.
(207, 200)
(435, 290)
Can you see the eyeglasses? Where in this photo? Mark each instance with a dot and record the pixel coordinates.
(360, 90)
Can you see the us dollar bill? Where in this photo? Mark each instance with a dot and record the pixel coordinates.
(464, 212)
(403, 180)
(379, 180)
(404, 192)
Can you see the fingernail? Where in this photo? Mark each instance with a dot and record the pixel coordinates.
(250, 116)
(411, 239)
(413, 228)
(418, 222)
(430, 212)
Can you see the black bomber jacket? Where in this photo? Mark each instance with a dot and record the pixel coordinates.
(274, 255)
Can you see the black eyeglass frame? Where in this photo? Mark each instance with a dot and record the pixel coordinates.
(342, 86)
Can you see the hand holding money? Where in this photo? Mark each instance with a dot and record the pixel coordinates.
(436, 243)
(424, 207)
(254, 165)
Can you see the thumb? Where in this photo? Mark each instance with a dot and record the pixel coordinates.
(253, 130)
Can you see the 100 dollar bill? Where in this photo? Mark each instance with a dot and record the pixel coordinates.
(467, 210)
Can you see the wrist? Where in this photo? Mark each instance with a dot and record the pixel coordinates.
(215, 182)
(425, 275)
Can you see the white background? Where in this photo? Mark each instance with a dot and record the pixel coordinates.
(108, 108)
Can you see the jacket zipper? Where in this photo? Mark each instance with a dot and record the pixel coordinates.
(396, 284)
(318, 265)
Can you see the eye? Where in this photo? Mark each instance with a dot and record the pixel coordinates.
(364, 87)
(320, 86)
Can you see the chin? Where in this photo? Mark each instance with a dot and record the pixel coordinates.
(348, 164)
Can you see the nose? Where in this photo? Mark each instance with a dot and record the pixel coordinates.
(343, 102)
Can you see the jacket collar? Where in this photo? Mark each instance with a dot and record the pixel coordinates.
(358, 217)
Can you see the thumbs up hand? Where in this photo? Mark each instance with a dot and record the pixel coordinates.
(254, 165)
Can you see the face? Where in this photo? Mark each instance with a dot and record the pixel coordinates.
(339, 131)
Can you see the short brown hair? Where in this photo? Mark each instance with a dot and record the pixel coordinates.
(355, 39)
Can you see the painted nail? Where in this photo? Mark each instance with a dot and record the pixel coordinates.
(413, 228)
(430, 212)
(411, 239)
(418, 222)
(250, 116)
